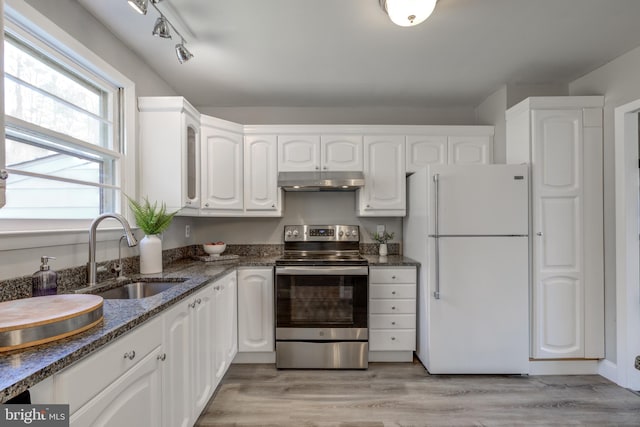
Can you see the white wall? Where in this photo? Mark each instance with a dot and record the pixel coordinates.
(619, 82)
(343, 115)
(492, 112)
(300, 208)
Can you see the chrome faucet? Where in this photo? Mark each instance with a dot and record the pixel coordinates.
(91, 265)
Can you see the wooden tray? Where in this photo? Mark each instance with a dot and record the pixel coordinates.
(32, 321)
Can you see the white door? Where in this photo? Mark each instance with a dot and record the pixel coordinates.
(176, 367)
(231, 323)
(261, 173)
(479, 199)
(467, 150)
(202, 310)
(480, 324)
(219, 334)
(425, 150)
(255, 310)
(298, 153)
(558, 284)
(341, 152)
(222, 186)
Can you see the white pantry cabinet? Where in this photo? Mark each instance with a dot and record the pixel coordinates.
(561, 137)
(392, 313)
(384, 192)
(453, 145)
(222, 167)
(261, 193)
(313, 152)
(256, 322)
(169, 166)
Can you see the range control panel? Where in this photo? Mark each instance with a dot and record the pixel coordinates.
(321, 233)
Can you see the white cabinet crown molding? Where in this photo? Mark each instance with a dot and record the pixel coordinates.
(469, 130)
(167, 104)
(555, 102)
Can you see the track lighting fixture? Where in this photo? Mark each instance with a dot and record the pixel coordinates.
(162, 28)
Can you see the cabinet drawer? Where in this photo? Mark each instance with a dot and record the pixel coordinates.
(392, 291)
(392, 275)
(392, 321)
(392, 340)
(390, 306)
(80, 382)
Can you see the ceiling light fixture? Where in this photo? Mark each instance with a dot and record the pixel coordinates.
(182, 53)
(407, 13)
(162, 28)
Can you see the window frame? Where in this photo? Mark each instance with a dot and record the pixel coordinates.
(24, 20)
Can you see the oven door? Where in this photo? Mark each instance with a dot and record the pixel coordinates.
(322, 303)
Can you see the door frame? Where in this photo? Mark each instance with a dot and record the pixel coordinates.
(627, 244)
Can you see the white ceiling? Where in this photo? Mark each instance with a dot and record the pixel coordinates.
(331, 53)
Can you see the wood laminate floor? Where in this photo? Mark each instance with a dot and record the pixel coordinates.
(404, 394)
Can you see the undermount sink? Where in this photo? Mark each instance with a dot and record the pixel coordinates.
(138, 290)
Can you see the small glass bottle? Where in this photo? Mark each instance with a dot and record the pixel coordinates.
(45, 281)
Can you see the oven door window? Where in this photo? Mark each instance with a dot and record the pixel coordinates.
(321, 301)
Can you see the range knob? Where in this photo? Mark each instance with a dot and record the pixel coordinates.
(341, 233)
(348, 233)
(288, 233)
(295, 233)
(354, 233)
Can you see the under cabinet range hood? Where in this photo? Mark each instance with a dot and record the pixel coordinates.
(320, 181)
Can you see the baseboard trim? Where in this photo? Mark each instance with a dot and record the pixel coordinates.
(391, 356)
(609, 370)
(258, 357)
(559, 367)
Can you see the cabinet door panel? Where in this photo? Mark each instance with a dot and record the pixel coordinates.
(177, 366)
(202, 349)
(222, 170)
(470, 150)
(298, 153)
(558, 276)
(255, 310)
(385, 180)
(341, 152)
(260, 173)
(425, 150)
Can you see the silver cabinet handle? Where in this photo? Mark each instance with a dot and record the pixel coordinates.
(162, 357)
(199, 301)
(188, 202)
(436, 267)
(393, 308)
(325, 168)
(393, 292)
(192, 304)
(393, 323)
(539, 233)
(130, 355)
(393, 338)
(317, 167)
(393, 277)
(206, 205)
(368, 206)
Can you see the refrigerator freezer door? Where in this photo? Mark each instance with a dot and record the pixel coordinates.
(479, 199)
(480, 323)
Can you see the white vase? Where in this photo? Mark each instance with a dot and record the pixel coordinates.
(383, 249)
(150, 254)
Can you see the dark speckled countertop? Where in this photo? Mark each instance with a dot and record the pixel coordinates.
(21, 369)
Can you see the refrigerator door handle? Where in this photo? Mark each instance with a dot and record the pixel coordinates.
(436, 181)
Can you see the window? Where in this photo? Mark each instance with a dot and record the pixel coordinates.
(63, 149)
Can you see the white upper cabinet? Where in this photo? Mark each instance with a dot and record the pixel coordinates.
(261, 192)
(319, 153)
(341, 152)
(169, 166)
(384, 192)
(298, 153)
(222, 169)
(457, 145)
(561, 137)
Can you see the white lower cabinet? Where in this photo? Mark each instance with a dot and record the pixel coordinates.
(256, 323)
(162, 373)
(392, 313)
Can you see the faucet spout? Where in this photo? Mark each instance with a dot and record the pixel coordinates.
(91, 265)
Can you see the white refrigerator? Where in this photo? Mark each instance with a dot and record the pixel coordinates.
(468, 227)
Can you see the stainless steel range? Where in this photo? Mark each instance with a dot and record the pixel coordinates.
(322, 299)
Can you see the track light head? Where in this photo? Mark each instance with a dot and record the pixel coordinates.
(162, 28)
(183, 53)
(139, 6)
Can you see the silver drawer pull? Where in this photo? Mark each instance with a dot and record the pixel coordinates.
(192, 304)
(393, 292)
(393, 323)
(199, 301)
(393, 277)
(162, 357)
(130, 355)
(393, 308)
(393, 338)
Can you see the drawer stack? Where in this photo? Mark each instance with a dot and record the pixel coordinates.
(392, 309)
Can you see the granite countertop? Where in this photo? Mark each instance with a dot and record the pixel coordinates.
(21, 369)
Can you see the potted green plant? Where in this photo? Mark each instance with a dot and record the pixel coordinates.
(382, 239)
(152, 220)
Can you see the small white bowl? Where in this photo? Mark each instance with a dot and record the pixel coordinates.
(214, 250)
